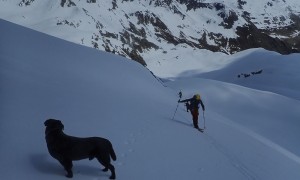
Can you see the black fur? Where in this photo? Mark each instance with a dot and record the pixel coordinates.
(66, 148)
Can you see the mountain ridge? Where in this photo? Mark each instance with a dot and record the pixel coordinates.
(135, 28)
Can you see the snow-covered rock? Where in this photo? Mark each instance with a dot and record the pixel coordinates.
(137, 29)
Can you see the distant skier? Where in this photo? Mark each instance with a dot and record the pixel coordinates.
(192, 104)
(180, 94)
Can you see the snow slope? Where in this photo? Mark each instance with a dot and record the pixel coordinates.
(251, 134)
(260, 69)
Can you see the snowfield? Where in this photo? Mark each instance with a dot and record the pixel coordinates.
(252, 124)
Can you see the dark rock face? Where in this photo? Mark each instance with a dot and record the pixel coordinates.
(26, 2)
(67, 3)
(251, 37)
(288, 31)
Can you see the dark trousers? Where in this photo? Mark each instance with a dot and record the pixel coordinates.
(195, 114)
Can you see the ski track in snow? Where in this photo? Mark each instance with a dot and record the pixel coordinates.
(234, 160)
(261, 139)
(236, 163)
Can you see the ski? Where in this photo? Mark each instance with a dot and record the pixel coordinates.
(201, 130)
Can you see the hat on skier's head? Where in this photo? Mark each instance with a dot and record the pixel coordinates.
(197, 96)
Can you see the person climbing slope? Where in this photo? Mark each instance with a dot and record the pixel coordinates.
(193, 105)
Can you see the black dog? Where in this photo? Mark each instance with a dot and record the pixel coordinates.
(66, 148)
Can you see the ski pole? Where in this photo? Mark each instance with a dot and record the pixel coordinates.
(204, 120)
(176, 109)
(180, 95)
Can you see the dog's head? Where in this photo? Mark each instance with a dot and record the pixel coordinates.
(54, 124)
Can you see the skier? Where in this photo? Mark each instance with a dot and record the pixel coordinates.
(180, 94)
(193, 105)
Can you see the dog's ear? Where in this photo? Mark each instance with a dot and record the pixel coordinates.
(60, 125)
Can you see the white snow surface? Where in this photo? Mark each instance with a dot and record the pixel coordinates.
(250, 133)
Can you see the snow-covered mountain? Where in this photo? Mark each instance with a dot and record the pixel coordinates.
(250, 134)
(144, 29)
